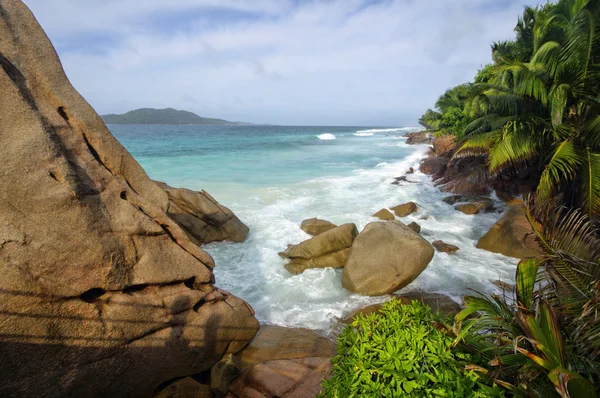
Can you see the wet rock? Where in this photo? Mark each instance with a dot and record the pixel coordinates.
(415, 227)
(410, 171)
(315, 226)
(444, 247)
(385, 257)
(420, 137)
(405, 209)
(384, 214)
(328, 249)
(443, 145)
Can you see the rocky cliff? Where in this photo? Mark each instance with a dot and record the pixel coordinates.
(101, 292)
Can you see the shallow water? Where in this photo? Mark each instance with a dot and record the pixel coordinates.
(274, 177)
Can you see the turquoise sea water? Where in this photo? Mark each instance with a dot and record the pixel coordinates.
(273, 177)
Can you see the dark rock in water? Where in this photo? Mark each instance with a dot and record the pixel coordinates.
(512, 234)
(385, 257)
(405, 209)
(202, 217)
(421, 137)
(102, 293)
(444, 247)
(315, 226)
(384, 214)
(470, 204)
(329, 249)
(415, 227)
(410, 171)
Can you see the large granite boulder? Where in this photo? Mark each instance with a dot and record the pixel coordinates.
(316, 226)
(512, 234)
(101, 294)
(328, 249)
(202, 217)
(443, 145)
(385, 257)
(384, 214)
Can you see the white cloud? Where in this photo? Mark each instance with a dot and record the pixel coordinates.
(344, 62)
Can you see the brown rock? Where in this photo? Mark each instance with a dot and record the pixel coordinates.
(283, 362)
(433, 165)
(443, 145)
(276, 342)
(415, 227)
(385, 257)
(411, 171)
(444, 247)
(329, 249)
(315, 226)
(223, 373)
(101, 294)
(512, 234)
(202, 217)
(405, 209)
(469, 208)
(420, 137)
(285, 378)
(185, 388)
(384, 214)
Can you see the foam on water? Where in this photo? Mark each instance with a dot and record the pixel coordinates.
(389, 130)
(326, 136)
(315, 299)
(363, 134)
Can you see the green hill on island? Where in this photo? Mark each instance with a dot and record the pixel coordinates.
(163, 116)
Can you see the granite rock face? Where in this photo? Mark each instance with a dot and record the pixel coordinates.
(202, 217)
(102, 293)
(512, 234)
(328, 249)
(316, 226)
(385, 257)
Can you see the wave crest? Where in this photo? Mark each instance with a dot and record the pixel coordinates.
(326, 136)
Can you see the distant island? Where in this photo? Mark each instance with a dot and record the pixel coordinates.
(164, 116)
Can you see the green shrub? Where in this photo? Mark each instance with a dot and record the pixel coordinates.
(400, 352)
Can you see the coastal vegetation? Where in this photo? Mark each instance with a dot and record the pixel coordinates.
(163, 116)
(536, 106)
(534, 109)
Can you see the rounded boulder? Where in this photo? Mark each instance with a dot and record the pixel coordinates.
(385, 257)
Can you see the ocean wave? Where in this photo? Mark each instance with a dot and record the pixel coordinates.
(326, 136)
(364, 134)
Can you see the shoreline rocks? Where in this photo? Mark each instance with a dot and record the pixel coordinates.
(328, 249)
(379, 263)
(512, 234)
(315, 226)
(102, 293)
(384, 214)
(419, 137)
(202, 218)
(405, 209)
(444, 247)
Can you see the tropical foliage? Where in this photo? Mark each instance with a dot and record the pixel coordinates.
(544, 340)
(537, 106)
(400, 352)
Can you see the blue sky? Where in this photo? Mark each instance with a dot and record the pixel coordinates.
(328, 62)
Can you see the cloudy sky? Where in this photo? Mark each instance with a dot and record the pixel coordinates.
(344, 62)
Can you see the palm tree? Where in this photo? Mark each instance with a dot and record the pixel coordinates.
(543, 112)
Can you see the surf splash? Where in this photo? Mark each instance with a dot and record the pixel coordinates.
(326, 136)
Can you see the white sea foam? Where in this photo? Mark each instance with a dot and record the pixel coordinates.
(316, 299)
(391, 130)
(326, 136)
(364, 134)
